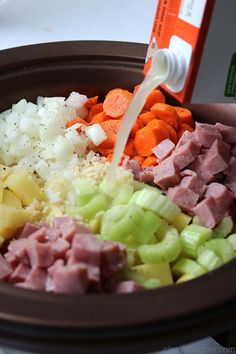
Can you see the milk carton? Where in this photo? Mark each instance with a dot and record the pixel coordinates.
(203, 34)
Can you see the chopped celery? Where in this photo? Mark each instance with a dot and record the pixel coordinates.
(185, 277)
(187, 266)
(85, 196)
(232, 240)
(167, 209)
(72, 210)
(83, 185)
(111, 187)
(181, 221)
(138, 186)
(147, 227)
(160, 234)
(149, 283)
(152, 283)
(97, 203)
(95, 222)
(163, 252)
(224, 228)
(124, 194)
(193, 236)
(208, 259)
(221, 247)
(160, 271)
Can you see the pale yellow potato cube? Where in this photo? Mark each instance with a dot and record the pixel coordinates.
(4, 171)
(11, 219)
(160, 271)
(9, 198)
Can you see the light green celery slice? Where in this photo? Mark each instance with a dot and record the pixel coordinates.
(84, 197)
(124, 194)
(97, 203)
(163, 252)
(146, 198)
(193, 236)
(166, 208)
(147, 227)
(140, 185)
(185, 277)
(160, 234)
(181, 221)
(111, 187)
(72, 210)
(83, 185)
(221, 247)
(152, 283)
(208, 259)
(187, 266)
(149, 283)
(232, 240)
(224, 228)
(160, 271)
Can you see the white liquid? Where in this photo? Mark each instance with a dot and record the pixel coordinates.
(151, 81)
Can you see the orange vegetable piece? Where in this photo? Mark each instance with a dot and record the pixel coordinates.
(139, 158)
(185, 116)
(146, 139)
(173, 135)
(147, 117)
(156, 96)
(94, 110)
(116, 102)
(111, 128)
(137, 125)
(99, 117)
(75, 121)
(91, 101)
(168, 113)
(161, 127)
(150, 161)
(136, 88)
(109, 157)
(130, 148)
(184, 127)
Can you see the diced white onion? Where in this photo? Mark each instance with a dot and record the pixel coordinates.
(96, 134)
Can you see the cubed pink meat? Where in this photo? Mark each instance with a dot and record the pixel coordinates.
(186, 154)
(185, 198)
(194, 183)
(230, 183)
(188, 173)
(217, 157)
(146, 175)
(209, 212)
(163, 149)
(5, 268)
(87, 248)
(52, 234)
(94, 279)
(132, 165)
(57, 263)
(233, 151)
(206, 134)
(129, 286)
(28, 230)
(113, 259)
(228, 133)
(70, 279)
(220, 193)
(187, 137)
(39, 235)
(202, 172)
(231, 169)
(40, 254)
(59, 248)
(18, 249)
(11, 259)
(20, 273)
(35, 280)
(166, 174)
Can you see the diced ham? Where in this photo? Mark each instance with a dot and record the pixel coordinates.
(146, 175)
(53, 234)
(28, 229)
(221, 195)
(132, 165)
(11, 259)
(87, 248)
(113, 258)
(217, 157)
(20, 273)
(200, 169)
(68, 227)
(206, 134)
(163, 149)
(231, 169)
(165, 174)
(228, 133)
(186, 154)
(233, 151)
(209, 212)
(70, 279)
(35, 280)
(185, 198)
(188, 173)
(128, 286)
(57, 263)
(18, 249)
(59, 248)
(40, 254)
(94, 279)
(39, 235)
(5, 268)
(187, 137)
(194, 183)
(230, 183)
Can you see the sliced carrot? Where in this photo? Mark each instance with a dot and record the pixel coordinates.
(173, 135)
(147, 117)
(130, 148)
(183, 128)
(75, 121)
(140, 159)
(150, 161)
(168, 113)
(146, 139)
(116, 102)
(156, 96)
(136, 88)
(109, 157)
(185, 116)
(161, 127)
(111, 128)
(94, 110)
(91, 101)
(99, 117)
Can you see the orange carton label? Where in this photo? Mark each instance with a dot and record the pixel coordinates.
(204, 31)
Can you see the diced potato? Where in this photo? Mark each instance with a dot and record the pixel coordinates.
(11, 219)
(181, 221)
(160, 271)
(4, 172)
(185, 277)
(9, 198)
(24, 187)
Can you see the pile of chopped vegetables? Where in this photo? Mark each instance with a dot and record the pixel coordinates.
(66, 227)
